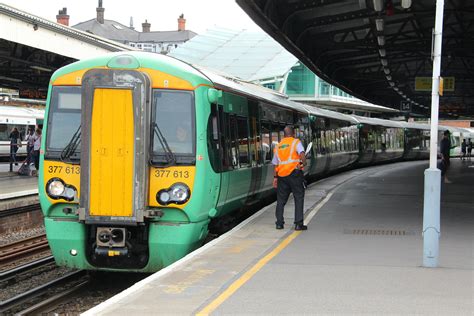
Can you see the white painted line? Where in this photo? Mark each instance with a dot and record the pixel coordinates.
(315, 210)
(139, 285)
(18, 194)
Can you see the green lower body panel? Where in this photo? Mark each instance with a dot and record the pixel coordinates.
(168, 242)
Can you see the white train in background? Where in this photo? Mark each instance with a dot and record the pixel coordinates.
(20, 117)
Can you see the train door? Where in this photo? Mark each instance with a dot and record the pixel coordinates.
(320, 128)
(220, 136)
(115, 132)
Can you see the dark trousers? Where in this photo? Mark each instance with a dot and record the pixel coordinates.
(29, 154)
(36, 154)
(286, 185)
(13, 150)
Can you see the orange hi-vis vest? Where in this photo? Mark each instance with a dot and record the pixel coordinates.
(288, 158)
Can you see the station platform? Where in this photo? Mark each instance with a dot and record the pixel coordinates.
(14, 186)
(361, 254)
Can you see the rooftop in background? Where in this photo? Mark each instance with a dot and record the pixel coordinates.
(32, 48)
(147, 40)
(255, 57)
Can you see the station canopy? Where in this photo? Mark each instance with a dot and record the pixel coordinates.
(245, 54)
(378, 50)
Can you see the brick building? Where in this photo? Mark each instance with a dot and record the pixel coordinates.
(151, 41)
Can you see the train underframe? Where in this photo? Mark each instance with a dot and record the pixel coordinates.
(142, 248)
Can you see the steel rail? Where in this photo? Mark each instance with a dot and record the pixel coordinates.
(22, 298)
(7, 275)
(23, 248)
(53, 302)
(20, 210)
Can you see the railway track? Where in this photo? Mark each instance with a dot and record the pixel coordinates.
(9, 275)
(46, 296)
(23, 248)
(20, 210)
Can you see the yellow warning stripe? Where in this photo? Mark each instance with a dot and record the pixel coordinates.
(247, 276)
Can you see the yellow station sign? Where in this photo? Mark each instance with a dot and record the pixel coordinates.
(424, 83)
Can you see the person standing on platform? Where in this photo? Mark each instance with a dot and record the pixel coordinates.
(463, 149)
(289, 160)
(469, 149)
(30, 144)
(445, 148)
(15, 143)
(36, 148)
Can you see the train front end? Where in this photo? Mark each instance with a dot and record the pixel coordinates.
(120, 158)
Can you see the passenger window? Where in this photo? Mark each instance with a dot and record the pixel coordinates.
(275, 134)
(242, 133)
(234, 145)
(266, 142)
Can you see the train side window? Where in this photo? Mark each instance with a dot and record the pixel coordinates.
(254, 142)
(243, 139)
(266, 142)
(275, 139)
(234, 143)
(213, 140)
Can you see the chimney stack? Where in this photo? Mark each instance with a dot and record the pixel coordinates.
(131, 23)
(62, 17)
(100, 13)
(181, 23)
(146, 27)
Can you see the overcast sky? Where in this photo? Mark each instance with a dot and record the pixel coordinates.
(162, 14)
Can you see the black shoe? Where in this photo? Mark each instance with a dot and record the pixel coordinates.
(301, 227)
(279, 226)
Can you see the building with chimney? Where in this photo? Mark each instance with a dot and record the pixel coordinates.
(151, 41)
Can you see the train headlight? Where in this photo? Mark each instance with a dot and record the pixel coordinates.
(56, 187)
(178, 193)
(163, 197)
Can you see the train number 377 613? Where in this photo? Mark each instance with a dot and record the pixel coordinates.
(160, 173)
(66, 170)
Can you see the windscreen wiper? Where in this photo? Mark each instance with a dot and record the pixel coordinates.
(170, 157)
(71, 147)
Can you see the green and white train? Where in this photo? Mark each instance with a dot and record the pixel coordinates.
(142, 151)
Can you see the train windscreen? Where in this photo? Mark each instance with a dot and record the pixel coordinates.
(173, 127)
(64, 120)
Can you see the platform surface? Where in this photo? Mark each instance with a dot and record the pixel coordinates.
(362, 254)
(13, 186)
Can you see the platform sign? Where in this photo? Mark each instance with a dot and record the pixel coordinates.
(424, 84)
(33, 94)
(449, 83)
(405, 106)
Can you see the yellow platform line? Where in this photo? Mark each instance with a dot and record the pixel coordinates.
(247, 276)
(259, 265)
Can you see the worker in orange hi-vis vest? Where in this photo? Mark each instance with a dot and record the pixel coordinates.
(289, 160)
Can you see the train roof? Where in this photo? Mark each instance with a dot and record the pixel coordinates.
(414, 125)
(377, 121)
(331, 114)
(21, 112)
(224, 82)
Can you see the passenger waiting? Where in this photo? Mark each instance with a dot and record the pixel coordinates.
(15, 143)
(469, 149)
(463, 149)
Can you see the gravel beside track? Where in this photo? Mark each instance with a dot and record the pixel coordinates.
(17, 236)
